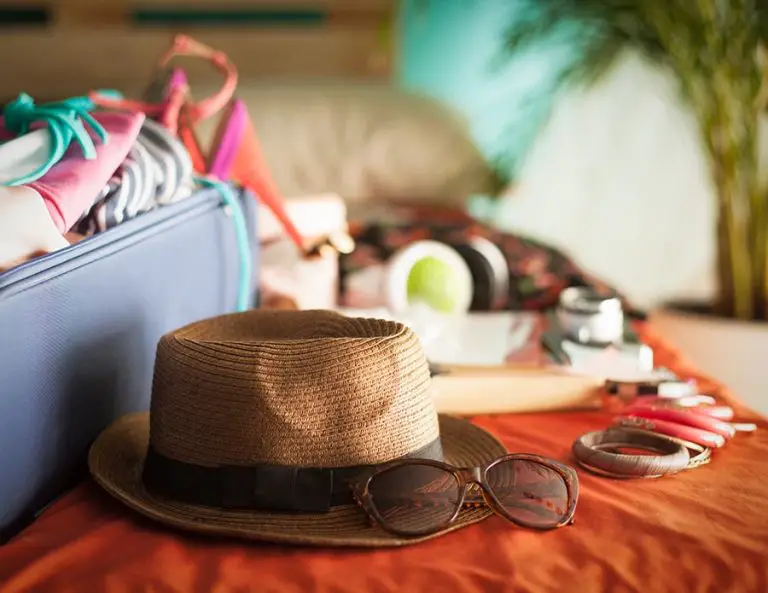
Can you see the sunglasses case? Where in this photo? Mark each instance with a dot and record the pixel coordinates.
(79, 328)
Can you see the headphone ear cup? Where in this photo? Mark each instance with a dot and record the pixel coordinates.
(490, 274)
(482, 277)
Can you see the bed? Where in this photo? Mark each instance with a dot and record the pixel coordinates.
(706, 530)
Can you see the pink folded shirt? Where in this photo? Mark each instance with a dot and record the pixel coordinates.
(71, 185)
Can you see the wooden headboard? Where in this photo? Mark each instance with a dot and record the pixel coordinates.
(57, 48)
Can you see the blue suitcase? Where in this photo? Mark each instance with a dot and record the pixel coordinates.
(79, 328)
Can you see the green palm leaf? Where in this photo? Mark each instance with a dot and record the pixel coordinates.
(711, 46)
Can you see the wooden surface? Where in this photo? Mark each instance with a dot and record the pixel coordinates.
(87, 44)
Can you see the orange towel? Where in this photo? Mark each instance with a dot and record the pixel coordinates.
(706, 530)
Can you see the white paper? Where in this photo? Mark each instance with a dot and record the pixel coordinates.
(632, 363)
(473, 339)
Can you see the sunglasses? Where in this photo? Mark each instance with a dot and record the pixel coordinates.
(419, 497)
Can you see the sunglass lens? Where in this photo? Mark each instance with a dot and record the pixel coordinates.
(529, 492)
(415, 498)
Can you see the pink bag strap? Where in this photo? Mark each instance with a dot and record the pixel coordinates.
(186, 46)
(179, 96)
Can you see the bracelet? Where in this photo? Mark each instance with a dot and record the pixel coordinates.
(700, 455)
(684, 417)
(596, 451)
(690, 434)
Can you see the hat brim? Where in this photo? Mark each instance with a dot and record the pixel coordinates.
(116, 461)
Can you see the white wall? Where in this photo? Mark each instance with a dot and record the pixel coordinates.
(618, 180)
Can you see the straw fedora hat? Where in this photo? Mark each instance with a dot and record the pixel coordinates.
(252, 412)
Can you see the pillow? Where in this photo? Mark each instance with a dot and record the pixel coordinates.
(367, 143)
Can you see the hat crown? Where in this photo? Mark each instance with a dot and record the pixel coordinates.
(300, 388)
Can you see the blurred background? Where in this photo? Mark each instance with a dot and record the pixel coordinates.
(337, 86)
(427, 102)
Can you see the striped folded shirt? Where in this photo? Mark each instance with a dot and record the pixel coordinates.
(156, 172)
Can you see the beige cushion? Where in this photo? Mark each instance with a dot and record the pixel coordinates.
(365, 142)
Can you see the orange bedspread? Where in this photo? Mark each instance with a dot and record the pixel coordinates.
(703, 531)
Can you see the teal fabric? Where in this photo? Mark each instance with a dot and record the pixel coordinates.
(453, 50)
(65, 121)
(241, 237)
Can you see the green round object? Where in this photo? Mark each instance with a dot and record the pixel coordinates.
(435, 283)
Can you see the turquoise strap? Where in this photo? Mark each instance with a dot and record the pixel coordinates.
(241, 236)
(65, 121)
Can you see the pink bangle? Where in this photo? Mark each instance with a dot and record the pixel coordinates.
(720, 412)
(698, 404)
(686, 417)
(691, 434)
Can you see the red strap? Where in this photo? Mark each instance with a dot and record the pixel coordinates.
(186, 46)
(197, 111)
(126, 104)
(186, 133)
(250, 169)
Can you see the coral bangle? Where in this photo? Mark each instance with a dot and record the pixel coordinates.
(691, 434)
(685, 417)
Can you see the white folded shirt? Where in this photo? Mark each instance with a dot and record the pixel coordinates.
(26, 226)
(24, 155)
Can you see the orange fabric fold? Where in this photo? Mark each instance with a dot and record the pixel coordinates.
(706, 530)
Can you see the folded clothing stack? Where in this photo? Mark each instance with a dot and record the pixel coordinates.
(131, 166)
(156, 172)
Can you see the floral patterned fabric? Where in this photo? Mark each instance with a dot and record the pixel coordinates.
(538, 273)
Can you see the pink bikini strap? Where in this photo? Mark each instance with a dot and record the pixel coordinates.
(169, 110)
(186, 46)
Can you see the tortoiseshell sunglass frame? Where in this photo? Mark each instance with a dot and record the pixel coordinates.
(465, 477)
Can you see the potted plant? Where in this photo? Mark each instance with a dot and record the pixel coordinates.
(715, 49)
